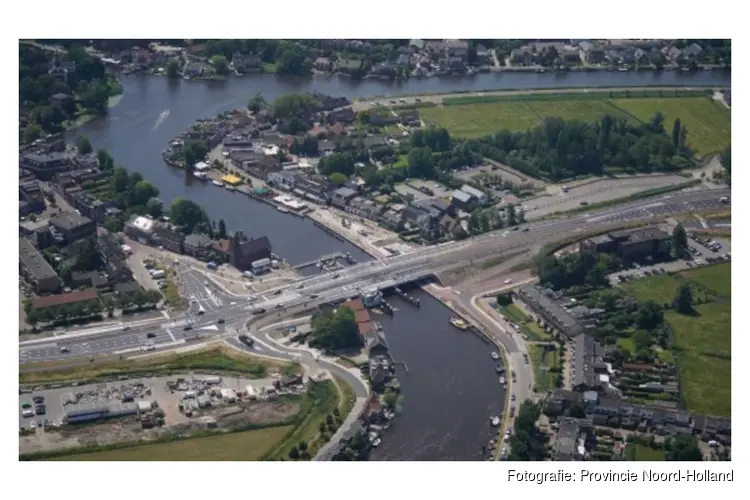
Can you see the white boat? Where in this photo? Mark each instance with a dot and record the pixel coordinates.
(495, 356)
(495, 421)
(217, 183)
(502, 380)
(376, 443)
(229, 188)
(283, 210)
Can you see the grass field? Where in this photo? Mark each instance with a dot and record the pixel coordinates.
(545, 380)
(528, 326)
(237, 446)
(216, 358)
(718, 278)
(708, 122)
(641, 453)
(660, 289)
(704, 345)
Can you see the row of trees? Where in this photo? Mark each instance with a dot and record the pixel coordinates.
(483, 220)
(528, 443)
(559, 149)
(575, 269)
(332, 331)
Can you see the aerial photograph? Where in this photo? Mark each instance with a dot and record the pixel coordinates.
(375, 250)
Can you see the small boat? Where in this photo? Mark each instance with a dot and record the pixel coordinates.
(283, 210)
(376, 443)
(229, 188)
(459, 323)
(502, 380)
(499, 368)
(200, 175)
(494, 356)
(217, 183)
(495, 421)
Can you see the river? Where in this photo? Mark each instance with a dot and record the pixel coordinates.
(451, 389)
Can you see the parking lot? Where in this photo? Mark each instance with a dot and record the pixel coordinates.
(437, 190)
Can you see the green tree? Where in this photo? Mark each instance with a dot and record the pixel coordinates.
(337, 178)
(527, 443)
(504, 299)
(187, 213)
(683, 299)
(390, 398)
(173, 68)
(105, 160)
(649, 315)
(95, 97)
(142, 192)
(32, 132)
(676, 133)
(195, 151)
(342, 163)
(679, 241)
(83, 144)
(119, 180)
(294, 105)
(335, 330)
(510, 214)
(257, 102)
(294, 453)
(220, 65)
(420, 163)
(222, 229)
(155, 207)
(726, 162)
(683, 449)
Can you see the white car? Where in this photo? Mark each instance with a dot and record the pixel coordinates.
(508, 281)
(148, 347)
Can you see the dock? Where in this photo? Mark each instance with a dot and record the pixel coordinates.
(408, 298)
(322, 260)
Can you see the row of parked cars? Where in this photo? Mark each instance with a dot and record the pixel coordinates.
(712, 245)
(37, 408)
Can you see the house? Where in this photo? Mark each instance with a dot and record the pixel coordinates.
(587, 364)
(89, 279)
(244, 251)
(30, 193)
(410, 117)
(475, 193)
(65, 101)
(76, 297)
(520, 56)
(168, 237)
(572, 434)
(46, 166)
(192, 70)
(458, 49)
(64, 70)
(343, 115)
(348, 66)
(323, 64)
(376, 343)
(282, 179)
(541, 303)
(461, 200)
(693, 51)
(383, 70)
(403, 62)
(35, 268)
(434, 47)
(672, 53)
(592, 54)
(570, 56)
(198, 245)
(342, 196)
(560, 400)
(73, 227)
(417, 44)
(483, 54)
(246, 63)
(456, 65)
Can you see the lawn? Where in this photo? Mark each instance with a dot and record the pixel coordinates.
(708, 122)
(660, 288)
(717, 278)
(218, 359)
(641, 453)
(529, 327)
(583, 110)
(544, 379)
(704, 345)
(476, 120)
(236, 446)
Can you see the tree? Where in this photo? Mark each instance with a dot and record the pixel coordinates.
(510, 214)
(649, 315)
(337, 162)
(679, 241)
(222, 229)
(187, 213)
(390, 398)
(173, 68)
(32, 132)
(83, 144)
(195, 151)
(119, 180)
(335, 330)
(154, 207)
(726, 162)
(420, 163)
(527, 444)
(676, 133)
(220, 64)
(504, 299)
(257, 102)
(337, 178)
(95, 97)
(683, 449)
(683, 299)
(105, 160)
(294, 453)
(142, 192)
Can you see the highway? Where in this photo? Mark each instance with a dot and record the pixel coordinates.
(307, 293)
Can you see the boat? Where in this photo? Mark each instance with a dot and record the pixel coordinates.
(494, 356)
(200, 175)
(217, 183)
(502, 380)
(499, 368)
(229, 188)
(376, 443)
(459, 323)
(285, 211)
(495, 421)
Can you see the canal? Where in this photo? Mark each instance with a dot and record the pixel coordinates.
(451, 389)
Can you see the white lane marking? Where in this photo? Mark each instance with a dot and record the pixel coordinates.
(171, 335)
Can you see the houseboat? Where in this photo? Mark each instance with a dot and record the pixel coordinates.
(459, 323)
(200, 176)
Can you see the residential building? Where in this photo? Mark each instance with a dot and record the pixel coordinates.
(410, 117)
(140, 228)
(543, 304)
(192, 70)
(588, 371)
(570, 56)
(35, 269)
(462, 200)
(243, 251)
(348, 66)
(198, 245)
(282, 179)
(168, 237)
(631, 245)
(31, 197)
(520, 56)
(73, 227)
(342, 196)
(483, 54)
(65, 101)
(475, 193)
(570, 441)
(323, 64)
(246, 63)
(62, 299)
(343, 115)
(46, 166)
(64, 70)
(693, 51)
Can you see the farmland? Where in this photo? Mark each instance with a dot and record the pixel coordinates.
(707, 122)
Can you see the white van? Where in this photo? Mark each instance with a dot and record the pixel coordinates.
(27, 413)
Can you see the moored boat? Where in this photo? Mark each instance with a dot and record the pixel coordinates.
(459, 323)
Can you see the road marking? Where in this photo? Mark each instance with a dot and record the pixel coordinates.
(171, 335)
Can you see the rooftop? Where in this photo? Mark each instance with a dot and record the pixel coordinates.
(64, 298)
(69, 221)
(33, 260)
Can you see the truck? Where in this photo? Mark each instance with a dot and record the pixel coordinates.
(212, 265)
(158, 274)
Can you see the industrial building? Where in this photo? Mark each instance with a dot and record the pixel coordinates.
(632, 244)
(37, 271)
(77, 413)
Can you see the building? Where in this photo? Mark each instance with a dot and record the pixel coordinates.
(260, 266)
(198, 245)
(62, 299)
(631, 245)
(36, 270)
(461, 200)
(361, 317)
(342, 196)
(574, 436)
(73, 227)
(140, 228)
(31, 198)
(588, 371)
(475, 193)
(243, 251)
(372, 298)
(540, 302)
(46, 166)
(168, 237)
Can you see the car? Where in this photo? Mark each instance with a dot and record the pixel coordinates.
(221, 321)
(205, 282)
(187, 328)
(278, 292)
(32, 424)
(336, 276)
(64, 350)
(150, 335)
(313, 295)
(125, 328)
(40, 410)
(148, 347)
(512, 397)
(259, 311)
(525, 230)
(278, 306)
(300, 286)
(508, 281)
(246, 340)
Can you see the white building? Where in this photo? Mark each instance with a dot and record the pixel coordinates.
(475, 193)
